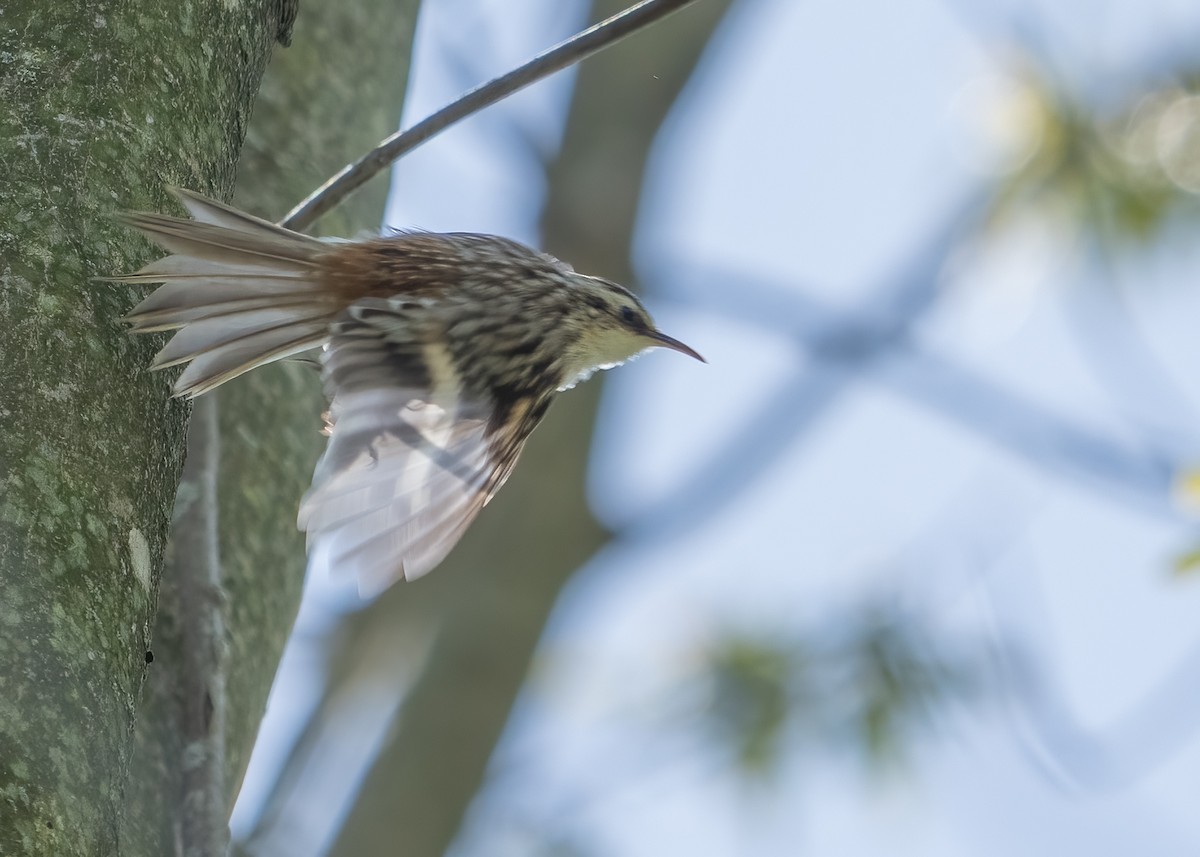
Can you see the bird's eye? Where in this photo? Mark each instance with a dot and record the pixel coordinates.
(630, 317)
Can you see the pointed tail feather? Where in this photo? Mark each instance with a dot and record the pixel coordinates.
(240, 291)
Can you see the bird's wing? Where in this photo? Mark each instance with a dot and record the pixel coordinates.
(411, 458)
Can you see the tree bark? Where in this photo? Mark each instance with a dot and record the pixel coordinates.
(102, 105)
(497, 589)
(334, 93)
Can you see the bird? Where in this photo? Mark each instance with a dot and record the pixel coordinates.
(440, 353)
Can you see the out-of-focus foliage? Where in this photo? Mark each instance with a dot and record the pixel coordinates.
(867, 683)
(1188, 562)
(1119, 172)
(1187, 496)
(751, 688)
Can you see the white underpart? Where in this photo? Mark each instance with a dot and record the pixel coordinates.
(601, 349)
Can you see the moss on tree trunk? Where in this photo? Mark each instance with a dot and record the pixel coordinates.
(100, 105)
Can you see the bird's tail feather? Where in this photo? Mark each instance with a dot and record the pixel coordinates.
(240, 291)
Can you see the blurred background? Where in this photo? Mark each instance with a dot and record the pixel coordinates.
(910, 567)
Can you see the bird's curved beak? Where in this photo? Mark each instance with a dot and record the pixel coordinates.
(664, 341)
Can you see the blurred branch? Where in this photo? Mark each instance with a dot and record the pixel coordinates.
(1122, 361)
(339, 86)
(1081, 757)
(369, 661)
(848, 347)
(1124, 365)
(563, 55)
(503, 580)
(1149, 734)
(1020, 426)
(844, 344)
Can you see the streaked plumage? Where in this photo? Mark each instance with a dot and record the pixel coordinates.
(441, 353)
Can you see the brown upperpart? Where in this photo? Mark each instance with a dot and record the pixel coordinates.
(419, 264)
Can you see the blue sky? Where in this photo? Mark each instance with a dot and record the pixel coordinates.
(818, 146)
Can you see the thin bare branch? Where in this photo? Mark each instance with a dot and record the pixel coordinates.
(575, 49)
(197, 575)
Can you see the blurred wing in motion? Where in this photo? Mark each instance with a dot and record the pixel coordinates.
(411, 458)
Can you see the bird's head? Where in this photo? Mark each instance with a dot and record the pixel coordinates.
(614, 327)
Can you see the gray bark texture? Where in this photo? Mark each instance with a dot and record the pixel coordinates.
(101, 105)
(335, 92)
(495, 593)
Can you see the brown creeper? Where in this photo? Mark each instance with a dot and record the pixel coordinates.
(441, 353)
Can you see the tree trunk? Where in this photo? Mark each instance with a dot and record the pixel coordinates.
(102, 105)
